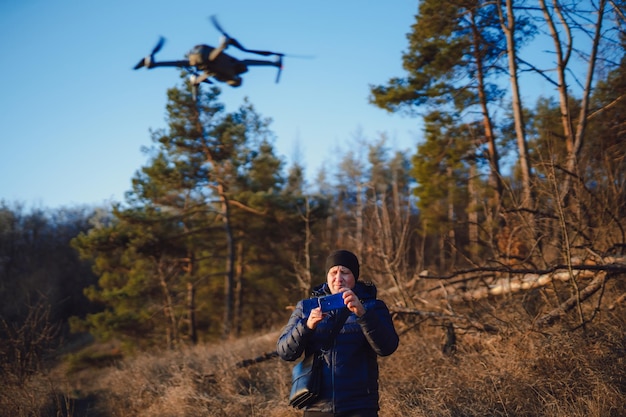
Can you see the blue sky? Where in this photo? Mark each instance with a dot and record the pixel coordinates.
(75, 116)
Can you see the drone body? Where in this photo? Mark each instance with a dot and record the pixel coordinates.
(223, 67)
(205, 62)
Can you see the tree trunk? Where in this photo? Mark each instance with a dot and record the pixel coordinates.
(495, 177)
(525, 203)
(168, 308)
(472, 211)
(508, 26)
(229, 278)
(238, 290)
(191, 312)
(304, 273)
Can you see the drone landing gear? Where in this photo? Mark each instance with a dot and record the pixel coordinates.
(235, 82)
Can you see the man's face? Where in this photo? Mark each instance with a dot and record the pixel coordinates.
(339, 279)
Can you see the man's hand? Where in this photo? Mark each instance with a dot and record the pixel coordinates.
(353, 303)
(314, 318)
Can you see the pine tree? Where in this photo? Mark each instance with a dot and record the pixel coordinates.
(452, 64)
(441, 169)
(209, 204)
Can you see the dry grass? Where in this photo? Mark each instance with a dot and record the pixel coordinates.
(199, 381)
(515, 372)
(519, 375)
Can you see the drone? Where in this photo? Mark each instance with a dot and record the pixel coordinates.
(205, 62)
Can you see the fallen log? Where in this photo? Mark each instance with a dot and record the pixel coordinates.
(516, 281)
(515, 284)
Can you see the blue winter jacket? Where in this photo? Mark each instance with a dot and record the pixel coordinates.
(350, 371)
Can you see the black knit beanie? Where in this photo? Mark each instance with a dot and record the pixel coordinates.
(344, 258)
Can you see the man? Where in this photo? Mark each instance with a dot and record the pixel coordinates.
(349, 386)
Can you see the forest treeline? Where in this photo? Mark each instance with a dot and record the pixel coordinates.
(217, 236)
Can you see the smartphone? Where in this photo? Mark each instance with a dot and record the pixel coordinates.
(327, 303)
(331, 302)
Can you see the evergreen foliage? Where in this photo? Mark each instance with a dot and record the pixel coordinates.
(207, 231)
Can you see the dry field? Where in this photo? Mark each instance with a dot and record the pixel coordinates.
(514, 369)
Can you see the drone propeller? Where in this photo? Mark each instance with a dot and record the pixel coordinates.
(147, 61)
(158, 46)
(280, 68)
(219, 27)
(227, 41)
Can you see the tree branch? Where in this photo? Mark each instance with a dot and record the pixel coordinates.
(588, 291)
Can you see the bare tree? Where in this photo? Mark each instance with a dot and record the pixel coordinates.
(561, 21)
(508, 24)
(24, 344)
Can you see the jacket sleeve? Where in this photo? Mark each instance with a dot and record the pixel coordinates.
(378, 328)
(294, 336)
